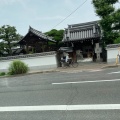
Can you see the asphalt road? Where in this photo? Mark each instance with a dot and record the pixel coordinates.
(80, 88)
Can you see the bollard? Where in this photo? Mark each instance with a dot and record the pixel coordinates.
(117, 60)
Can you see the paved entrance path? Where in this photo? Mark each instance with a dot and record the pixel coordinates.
(88, 66)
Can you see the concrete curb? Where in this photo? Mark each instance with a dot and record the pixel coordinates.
(29, 73)
(55, 70)
(110, 66)
(44, 71)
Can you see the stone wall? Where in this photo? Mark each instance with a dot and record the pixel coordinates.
(39, 61)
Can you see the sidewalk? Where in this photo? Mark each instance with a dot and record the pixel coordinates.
(82, 66)
(85, 66)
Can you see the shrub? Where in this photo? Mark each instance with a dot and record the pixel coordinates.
(116, 41)
(17, 67)
(2, 73)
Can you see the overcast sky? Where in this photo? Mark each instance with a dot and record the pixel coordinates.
(43, 15)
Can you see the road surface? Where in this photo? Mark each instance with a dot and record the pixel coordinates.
(67, 95)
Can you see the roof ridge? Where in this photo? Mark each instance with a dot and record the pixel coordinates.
(33, 29)
(83, 24)
(39, 34)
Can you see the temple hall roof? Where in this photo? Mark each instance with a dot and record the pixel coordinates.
(38, 35)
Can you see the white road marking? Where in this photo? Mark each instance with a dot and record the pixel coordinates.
(61, 107)
(95, 70)
(95, 81)
(114, 72)
(72, 71)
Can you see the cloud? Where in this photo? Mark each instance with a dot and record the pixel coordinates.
(50, 18)
(68, 2)
(10, 2)
(27, 11)
(71, 4)
(7, 2)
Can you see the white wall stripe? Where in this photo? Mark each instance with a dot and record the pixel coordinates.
(61, 107)
(95, 81)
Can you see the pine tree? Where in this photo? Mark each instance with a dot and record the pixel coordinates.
(8, 36)
(110, 19)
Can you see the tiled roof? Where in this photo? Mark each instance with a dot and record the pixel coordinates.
(82, 31)
(39, 34)
(113, 46)
(83, 25)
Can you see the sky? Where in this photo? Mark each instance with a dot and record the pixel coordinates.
(43, 15)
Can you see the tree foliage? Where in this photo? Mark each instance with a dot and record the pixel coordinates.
(117, 40)
(110, 19)
(1, 48)
(8, 36)
(56, 34)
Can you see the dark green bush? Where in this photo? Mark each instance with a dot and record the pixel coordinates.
(17, 67)
(2, 73)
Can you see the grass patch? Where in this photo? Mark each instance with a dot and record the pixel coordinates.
(17, 67)
(2, 73)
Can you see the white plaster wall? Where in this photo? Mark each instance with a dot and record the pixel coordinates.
(48, 61)
(112, 54)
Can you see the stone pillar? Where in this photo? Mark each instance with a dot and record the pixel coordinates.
(98, 50)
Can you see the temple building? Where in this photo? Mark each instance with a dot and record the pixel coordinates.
(85, 39)
(36, 42)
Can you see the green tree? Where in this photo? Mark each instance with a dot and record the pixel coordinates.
(9, 36)
(110, 19)
(56, 34)
(1, 48)
(117, 40)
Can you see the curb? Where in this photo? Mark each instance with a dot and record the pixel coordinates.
(30, 73)
(55, 70)
(45, 71)
(110, 66)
